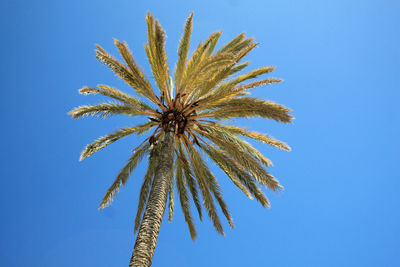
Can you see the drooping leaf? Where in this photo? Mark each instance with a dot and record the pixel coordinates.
(124, 174)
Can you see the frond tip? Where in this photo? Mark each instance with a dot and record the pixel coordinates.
(104, 110)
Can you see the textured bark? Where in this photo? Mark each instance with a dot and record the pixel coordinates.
(148, 233)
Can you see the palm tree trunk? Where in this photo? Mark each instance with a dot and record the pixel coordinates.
(148, 233)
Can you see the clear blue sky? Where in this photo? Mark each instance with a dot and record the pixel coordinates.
(341, 64)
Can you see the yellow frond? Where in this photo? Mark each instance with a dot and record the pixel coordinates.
(183, 51)
(157, 57)
(254, 135)
(105, 110)
(104, 141)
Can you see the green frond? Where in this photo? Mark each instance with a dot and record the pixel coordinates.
(146, 186)
(116, 94)
(104, 110)
(183, 50)
(124, 174)
(184, 200)
(106, 140)
(201, 180)
(254, 135)
(238, 176)
(250, 107)
(190, 181)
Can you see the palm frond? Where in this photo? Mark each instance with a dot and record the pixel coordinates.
(184, 200)
(195, 62)
(136, 80)
(124, 174)
(242, 157)
(215, 189)
(227, 135)
(205, 91)
(219, 75)
(242, 88)
(238, 67)
(213, 43)
(183, 51)
(116, 94)
(217, 157)
(106, 140)
(249, 107)
(143, 85)
(156, 55)
(244, 50)
(225, 90)
(189, 178)
(242, 46)
(105, 110)
(238, 175)
(117, 67)
(201, 180)
(254, 135)
(212, 64)
(235, 41)
(206, 72)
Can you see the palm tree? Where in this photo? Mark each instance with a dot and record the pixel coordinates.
(187, 125)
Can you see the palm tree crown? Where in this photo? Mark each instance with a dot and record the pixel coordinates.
(208, 90)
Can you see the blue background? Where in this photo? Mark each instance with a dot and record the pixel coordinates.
(340, 61)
